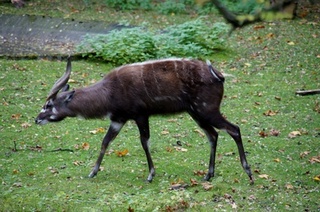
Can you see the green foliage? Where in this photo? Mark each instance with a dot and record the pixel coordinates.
(192, 39)
(245, 6)
(121, 46)
(129, 4)
(174, 6)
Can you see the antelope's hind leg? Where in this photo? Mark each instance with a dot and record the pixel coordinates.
(143, 125)
(218, 121)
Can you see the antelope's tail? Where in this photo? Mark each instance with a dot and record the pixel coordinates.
(217, 74)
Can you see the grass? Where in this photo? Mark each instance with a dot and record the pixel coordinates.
(268, 64)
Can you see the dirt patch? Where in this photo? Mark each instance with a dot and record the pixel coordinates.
(41, 36)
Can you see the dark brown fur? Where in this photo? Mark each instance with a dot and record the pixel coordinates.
(140, 90)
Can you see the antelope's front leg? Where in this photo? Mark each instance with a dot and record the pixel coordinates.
(112, 133)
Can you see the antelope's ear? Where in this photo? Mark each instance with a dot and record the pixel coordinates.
(69, 96)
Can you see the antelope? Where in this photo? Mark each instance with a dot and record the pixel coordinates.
(137, 91)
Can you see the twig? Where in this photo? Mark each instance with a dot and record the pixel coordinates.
(62, 150)
(308, 92)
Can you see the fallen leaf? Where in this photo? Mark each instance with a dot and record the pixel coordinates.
(276, 160)
(77, 163)
(19, 184)
(193, 182)
(165, 132)
(291, 43)
(207, 186)
(85, 146)
(199, 173)
(294, 134)
(36, 148)
(317, 178)
(270, 113)
(15, 171)
(274, 132)
(25, 125)
(263, 134)
(98, 130)
(252, 197)
(180, 149)
(130, 209)
(259, 27)
(16, 116)
(289, 186)
(264, 176)
(277, 98)
(199, 132)
(315, 159)
(168, 149)
(122, 153)
(270, 35)
(178, 186)
(304, 154)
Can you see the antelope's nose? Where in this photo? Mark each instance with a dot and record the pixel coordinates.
(37, 121)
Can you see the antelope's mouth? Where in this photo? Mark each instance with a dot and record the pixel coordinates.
(41, 121)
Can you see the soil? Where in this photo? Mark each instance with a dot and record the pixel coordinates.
(30, 36)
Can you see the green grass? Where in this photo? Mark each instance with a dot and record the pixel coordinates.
(268, 65)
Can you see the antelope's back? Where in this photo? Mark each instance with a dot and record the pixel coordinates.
(162, 85)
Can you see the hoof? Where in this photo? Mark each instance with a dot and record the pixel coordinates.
(208, 177)
(92, 175)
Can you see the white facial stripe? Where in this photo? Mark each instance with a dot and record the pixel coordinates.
(42, 110)
(116, 125)
(53, 117)
(54, 111)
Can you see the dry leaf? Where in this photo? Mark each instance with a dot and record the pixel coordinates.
(264, 176)
(98, 130)
(85, 146)
(193, 182)
(178, 186)
(180, 149)
(263, 134)
(77, 163)
(315, 159)
(294, 134)
(168, 149)
(291, 43)
(289, 186)
(303, 154)
(16, 116)
(274, 132)
(270, 113)
(121, 153)
(199, 132)
(199, 173)
(130, 209)
(165, 132)
(270, 35)
(276, 160)
(259, 27)
(207, 186)
(25, 125)
(317, 178)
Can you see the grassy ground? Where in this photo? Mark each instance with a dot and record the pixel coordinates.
(45, 168)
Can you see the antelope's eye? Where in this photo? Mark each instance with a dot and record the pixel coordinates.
(49, 105)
